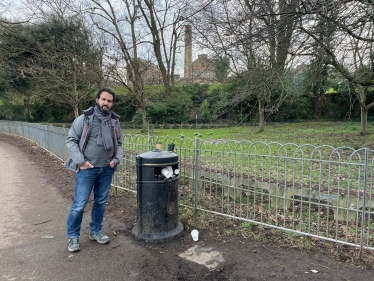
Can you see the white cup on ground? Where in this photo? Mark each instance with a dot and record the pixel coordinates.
(195, 235)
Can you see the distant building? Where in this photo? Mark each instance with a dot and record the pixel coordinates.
(201, 70)
(151, 74)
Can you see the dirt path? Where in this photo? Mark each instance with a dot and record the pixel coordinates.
(35, 197)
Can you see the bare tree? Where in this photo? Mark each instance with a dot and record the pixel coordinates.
(163, 19)
(141, 40)
(257, 36)
(318, 68)
(123, 45)
(350, 49)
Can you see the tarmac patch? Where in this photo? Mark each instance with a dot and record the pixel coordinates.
(205, 256)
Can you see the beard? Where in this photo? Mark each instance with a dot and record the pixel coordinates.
(104, 110)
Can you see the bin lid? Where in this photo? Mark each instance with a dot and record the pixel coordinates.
(158, 157)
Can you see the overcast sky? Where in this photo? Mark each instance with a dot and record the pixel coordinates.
(20, 10)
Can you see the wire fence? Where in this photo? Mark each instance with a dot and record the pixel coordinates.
(318, 191)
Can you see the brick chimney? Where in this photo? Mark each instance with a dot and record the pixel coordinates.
(188, 51)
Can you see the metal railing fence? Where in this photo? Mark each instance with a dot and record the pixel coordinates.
(49, 137)
(129, 125)
(318, 191)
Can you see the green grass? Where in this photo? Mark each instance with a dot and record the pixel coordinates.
(335, 134)
(274, 154)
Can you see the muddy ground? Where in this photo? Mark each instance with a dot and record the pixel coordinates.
(267, 255)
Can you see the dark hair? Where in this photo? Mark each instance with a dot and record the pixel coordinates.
(108, 90)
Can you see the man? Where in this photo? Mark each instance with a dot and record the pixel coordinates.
(95, 147)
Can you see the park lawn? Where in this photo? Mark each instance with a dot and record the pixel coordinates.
(336, 134)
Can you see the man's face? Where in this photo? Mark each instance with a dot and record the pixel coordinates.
(105, 102)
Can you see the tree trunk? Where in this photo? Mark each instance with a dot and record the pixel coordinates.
(27, 108)
(261, 115)
(144, 118)
(318, 107)
(364, 110)
(364, 121)
(159, 49)
(76, 110)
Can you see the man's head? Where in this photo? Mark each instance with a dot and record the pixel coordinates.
(105, 99)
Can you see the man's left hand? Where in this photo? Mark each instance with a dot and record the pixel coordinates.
(112, 164)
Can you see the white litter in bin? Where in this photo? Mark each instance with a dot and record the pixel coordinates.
(167, 172)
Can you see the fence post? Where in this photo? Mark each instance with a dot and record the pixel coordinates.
(364, 204)
(196, 175)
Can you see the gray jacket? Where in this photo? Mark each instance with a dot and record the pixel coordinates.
(77, 138)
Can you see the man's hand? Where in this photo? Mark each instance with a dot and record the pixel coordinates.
(86, 165)
(112, 164)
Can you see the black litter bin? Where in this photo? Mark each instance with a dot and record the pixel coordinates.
(157, 195)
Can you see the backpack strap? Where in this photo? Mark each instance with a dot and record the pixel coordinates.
(88, 112)
(115, 116)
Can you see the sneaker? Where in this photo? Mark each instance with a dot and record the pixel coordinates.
(73, 245)
(99, 237)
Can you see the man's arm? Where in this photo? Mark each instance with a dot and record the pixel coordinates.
(118, 156)
(72, 141)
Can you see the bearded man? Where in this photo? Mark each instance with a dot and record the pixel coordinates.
(95, 148)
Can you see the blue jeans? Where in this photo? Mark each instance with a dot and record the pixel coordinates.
(98, 180)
